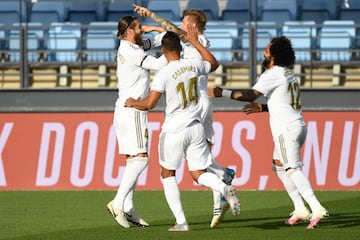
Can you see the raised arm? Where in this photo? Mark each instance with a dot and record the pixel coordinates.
(206, 55)
(164, 23)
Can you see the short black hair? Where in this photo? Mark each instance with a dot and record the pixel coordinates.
(171, 41)
(282, 52)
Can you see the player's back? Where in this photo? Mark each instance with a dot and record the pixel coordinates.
(178, 82)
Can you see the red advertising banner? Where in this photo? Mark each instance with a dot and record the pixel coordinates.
(69, 151)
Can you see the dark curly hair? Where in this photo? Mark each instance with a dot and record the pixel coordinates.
(282, 52)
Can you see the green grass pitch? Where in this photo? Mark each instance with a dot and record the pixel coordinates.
(81, 215)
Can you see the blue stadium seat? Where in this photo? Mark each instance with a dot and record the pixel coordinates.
(236, 10)
(101, 42)
(169, 9)
(9, 12)
(210, 7)
(351, 13)
(119, 9)
(84, 12)
(223, 37)
(337, 38)
(264, 33)
(303, 37)
(47, 12)
(63, 42)
(335, 46)
(3, 41)
(35, 36)
(279, 11)
(318, 11)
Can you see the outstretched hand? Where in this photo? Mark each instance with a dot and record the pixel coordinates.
(142, 11)
(214, 92)
(252, 107)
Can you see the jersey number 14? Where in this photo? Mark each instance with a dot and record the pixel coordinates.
(191, 95)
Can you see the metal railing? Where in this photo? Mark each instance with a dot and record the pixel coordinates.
(29, 58)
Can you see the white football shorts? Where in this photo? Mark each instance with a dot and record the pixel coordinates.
(288, 146)
(188, 143)
(131, 130)
(205, 104)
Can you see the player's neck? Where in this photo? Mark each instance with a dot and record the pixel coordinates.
(172, 56)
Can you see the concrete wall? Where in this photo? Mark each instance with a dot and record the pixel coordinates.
(103, 100)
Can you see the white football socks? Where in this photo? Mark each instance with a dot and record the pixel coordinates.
(211, 181)
(216, 169)
(290, 187)
(172, 195)
(134, 168)
(304, 187)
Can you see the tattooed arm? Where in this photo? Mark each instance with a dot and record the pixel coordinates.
(164, 23)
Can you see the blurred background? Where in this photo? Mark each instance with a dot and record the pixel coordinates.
(64, 47)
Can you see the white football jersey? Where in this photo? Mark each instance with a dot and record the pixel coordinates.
(282, 91)
(178, 82)
(133, 66)
(191, 52)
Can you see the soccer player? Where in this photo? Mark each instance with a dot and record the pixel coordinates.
(197, 18)
(133, 66)
(282, 91)
(182, 132)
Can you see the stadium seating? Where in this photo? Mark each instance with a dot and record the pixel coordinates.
(337, 38)
(47, 12)
(265, 31)
(116, 10)
(223, 39)
(237, 10)
(84, 12)
(210, 7)
(9, 12)
(318, 11)
(35, 36)
(303, 38)
(351, 13)
(82, 33)
(2, 43)
(279, 11)
(101, 42)
(63, 42)
(169, 9)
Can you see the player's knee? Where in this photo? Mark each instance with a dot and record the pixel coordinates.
(144, 160)
(290, 171)
(165, 173)
(276, 169)
(277, 166)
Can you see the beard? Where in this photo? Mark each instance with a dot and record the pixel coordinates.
(139, 40)
(266, 62)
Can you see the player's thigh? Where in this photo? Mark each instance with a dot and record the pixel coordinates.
(207, 119)
(171, 150)
(131, 130)
(288, 146)
(197, 152)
